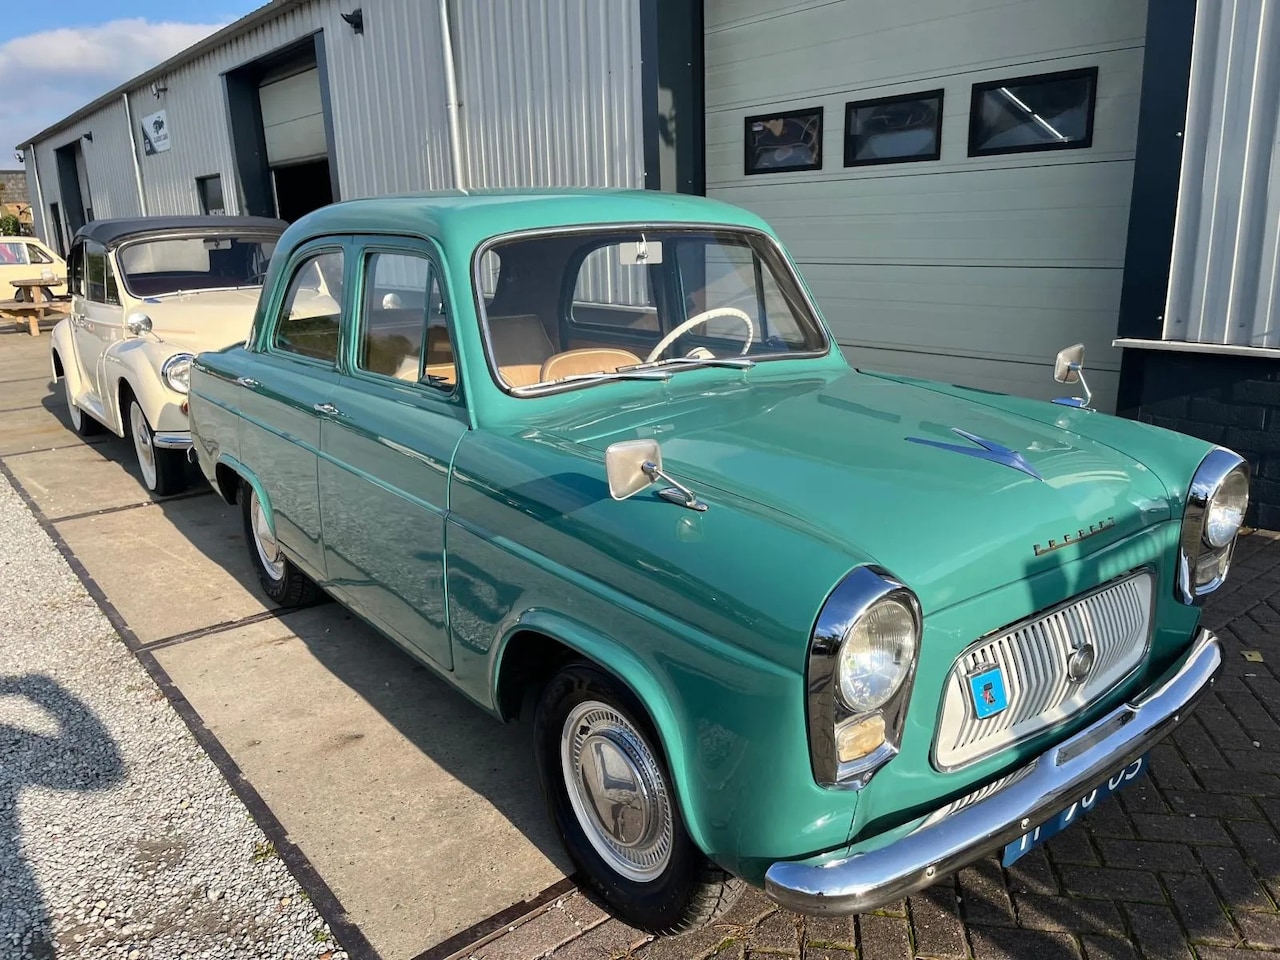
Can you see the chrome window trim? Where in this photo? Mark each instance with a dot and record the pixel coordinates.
(1208, 478)
(1148, 569)
(861, 589)
(482, 315)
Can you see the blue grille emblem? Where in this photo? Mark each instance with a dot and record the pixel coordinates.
(988, 692)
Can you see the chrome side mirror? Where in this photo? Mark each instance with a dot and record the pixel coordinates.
(1068, 367)
(633, 465)
(138, 324)
(1069, 363)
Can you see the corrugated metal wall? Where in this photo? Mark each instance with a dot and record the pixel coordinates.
(1224, 283)
(550, 92)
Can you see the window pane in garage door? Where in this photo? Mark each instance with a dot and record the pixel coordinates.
(1049, 112)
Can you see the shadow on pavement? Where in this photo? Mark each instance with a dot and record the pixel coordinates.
(81, 756)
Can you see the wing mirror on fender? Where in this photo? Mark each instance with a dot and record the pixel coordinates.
(632, 465)
(1069, 368)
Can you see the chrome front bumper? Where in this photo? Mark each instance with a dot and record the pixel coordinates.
(858, 882)
(172, 439)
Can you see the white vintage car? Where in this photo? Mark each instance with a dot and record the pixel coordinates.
(146, 296)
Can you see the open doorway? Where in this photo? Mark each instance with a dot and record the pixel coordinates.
(301, 188)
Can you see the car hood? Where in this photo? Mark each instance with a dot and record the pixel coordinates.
(202, 320)
(879, 465)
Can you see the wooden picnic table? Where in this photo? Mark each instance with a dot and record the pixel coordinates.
(31, 302)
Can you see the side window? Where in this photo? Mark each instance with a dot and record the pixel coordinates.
(75, 270)
(311, 317)
(95, 272)
(614, 288)
(112, 292)
(37, 255)
(13, 253)
(404, 332)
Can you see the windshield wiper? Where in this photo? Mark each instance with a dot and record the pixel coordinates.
(630, 374)
(740, 363)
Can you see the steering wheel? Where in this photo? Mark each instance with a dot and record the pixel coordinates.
(683, 328)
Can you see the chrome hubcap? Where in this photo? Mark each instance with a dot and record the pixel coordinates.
(265, 540)
(617, 790)
(142, 445)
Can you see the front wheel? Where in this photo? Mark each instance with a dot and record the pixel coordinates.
(612, 799)
(163, 472)
(281, 580)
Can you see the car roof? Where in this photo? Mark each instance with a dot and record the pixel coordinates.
(107, 232)
(473, 216)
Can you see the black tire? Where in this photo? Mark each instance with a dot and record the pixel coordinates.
(689, 891)
(167, 472)
(83, 424)
(292, 587)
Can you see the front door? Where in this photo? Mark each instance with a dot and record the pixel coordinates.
(96, 321)
(387, 446)
(293, 380)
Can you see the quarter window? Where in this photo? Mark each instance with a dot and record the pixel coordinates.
(311, 317)
(404, 330)
(95, 272)
(37, 255)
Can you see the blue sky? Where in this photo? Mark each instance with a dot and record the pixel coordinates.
(53, 63)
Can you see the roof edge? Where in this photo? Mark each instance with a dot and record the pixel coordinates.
(253, 18)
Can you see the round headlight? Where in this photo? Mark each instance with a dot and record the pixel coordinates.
(1224, 515)
(876, 655)
(177, 372)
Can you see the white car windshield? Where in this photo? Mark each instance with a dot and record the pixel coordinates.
(153, 268)
(609, 304)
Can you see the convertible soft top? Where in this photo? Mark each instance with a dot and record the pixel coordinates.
(108, 232)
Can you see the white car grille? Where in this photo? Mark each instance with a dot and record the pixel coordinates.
(1033, 658)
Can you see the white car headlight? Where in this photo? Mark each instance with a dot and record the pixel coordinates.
(876, 655)
(177, 372)
(1225, 514)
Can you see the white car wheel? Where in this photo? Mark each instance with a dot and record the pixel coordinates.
(73, 411)
(265, 541)
(143, 445)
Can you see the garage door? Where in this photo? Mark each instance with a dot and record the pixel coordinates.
(934, 249)
(293, 118)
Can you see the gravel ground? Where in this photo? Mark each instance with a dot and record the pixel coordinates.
(118, 835)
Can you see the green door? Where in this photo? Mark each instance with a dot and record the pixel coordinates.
(386, 448)
(293, 379)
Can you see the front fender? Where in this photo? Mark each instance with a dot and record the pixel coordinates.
(137, 362)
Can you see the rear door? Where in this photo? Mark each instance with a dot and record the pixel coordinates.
(283, 400)
(399, 412)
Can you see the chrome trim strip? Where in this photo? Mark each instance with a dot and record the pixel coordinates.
(854, 882)
(1209, 476)
(853, 596)
(171, 439)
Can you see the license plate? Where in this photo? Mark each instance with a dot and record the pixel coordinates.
(1063, 819)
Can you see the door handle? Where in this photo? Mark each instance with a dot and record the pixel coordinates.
(247, 382)
(327, 409)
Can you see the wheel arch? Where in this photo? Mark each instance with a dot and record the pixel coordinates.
(533, 648)
(228, 471)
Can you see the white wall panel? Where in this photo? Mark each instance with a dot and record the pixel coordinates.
(970, 265)
(1224, 284)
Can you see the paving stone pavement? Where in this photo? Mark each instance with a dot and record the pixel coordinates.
(1184, 864)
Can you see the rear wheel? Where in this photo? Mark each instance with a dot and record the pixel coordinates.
(81, 422)
(163, 470)
(281, 580)
(612, 799)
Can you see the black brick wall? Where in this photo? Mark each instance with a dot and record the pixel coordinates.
(1232, 401)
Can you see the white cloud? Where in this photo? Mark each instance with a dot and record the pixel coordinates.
(46, 76)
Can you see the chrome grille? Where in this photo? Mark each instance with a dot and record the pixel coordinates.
(1033, 658)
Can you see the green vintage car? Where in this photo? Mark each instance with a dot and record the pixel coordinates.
(780, 620)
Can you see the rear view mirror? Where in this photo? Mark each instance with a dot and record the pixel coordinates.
(1066, 369)
(631, 466)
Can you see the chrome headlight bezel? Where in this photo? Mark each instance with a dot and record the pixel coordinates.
(176, 372)
(828, 713)
(1196, 549)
